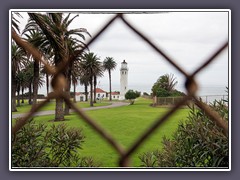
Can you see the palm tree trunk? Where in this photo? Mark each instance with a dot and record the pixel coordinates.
(30, 93)
(47, 83)
(59, 111)
(59, 115)
(86, 91)
(110, 86)
(35, 82)
(95, 84)
(91, 92)
(67, 90)
(22, 95)
(14, 87)
(18, 96)
(74, 91)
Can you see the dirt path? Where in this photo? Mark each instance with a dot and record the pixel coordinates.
(42, 113)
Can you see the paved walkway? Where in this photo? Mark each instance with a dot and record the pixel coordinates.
(42, 113)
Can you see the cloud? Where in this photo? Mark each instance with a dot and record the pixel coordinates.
(189, 38)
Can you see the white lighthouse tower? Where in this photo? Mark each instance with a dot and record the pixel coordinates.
(123, 80)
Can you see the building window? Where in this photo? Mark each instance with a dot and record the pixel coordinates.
(114, 97)
(98, 95)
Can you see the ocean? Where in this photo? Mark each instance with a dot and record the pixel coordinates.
(207, 93)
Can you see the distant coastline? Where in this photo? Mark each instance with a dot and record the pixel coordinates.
(203, 90)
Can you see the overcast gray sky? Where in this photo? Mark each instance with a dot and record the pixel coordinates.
(189, 38)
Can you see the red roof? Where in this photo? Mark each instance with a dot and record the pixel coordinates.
(115, 93)
(98, 90)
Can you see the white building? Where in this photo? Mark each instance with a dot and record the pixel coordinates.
(100, 94)
(123, 80)
(80, 96)
(115, 95)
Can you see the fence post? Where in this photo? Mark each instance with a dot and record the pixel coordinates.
(155, 100)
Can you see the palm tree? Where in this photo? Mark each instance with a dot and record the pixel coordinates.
(75, 75)
(18, 60)
(55, 27)
(109, 64)
(168, 82)
(21, 84)
(99, 73)
(84, 80)
(73, 70)
(92, 67)
(17, 54)
(18, 88)
(35, 37)
(15, 21)
(44, 72)
(29, 72)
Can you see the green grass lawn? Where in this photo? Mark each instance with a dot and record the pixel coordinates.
(25, 107)
(125, 124)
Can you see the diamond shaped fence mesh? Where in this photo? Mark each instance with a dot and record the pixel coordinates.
(58, 83)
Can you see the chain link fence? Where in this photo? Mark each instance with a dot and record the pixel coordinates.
(58, 82)
(170, 101)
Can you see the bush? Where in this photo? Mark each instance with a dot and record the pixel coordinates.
(162, 93)
(132, 95)
(36, 145)
(198, 142)
(176, 93)
(145, 94)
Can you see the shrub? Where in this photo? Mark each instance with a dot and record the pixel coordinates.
(28, 146)
(198, 142)
(162, 93)
(36, 145)
(132, 95)
(145, 94)
(176, 93)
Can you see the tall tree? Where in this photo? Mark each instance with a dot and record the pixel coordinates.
(29, 73)
(75, 76)
(29, 70)
(21, 78)
(16, 54)
(84, 80)
(74, 69)
(109, 64)
(99, 73)
(55, 27)
(15, 21)
(165, 83)
(36, 38)
(18, 59)
(92, 67)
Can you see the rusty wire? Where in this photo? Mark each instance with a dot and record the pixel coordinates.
(59, 82)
